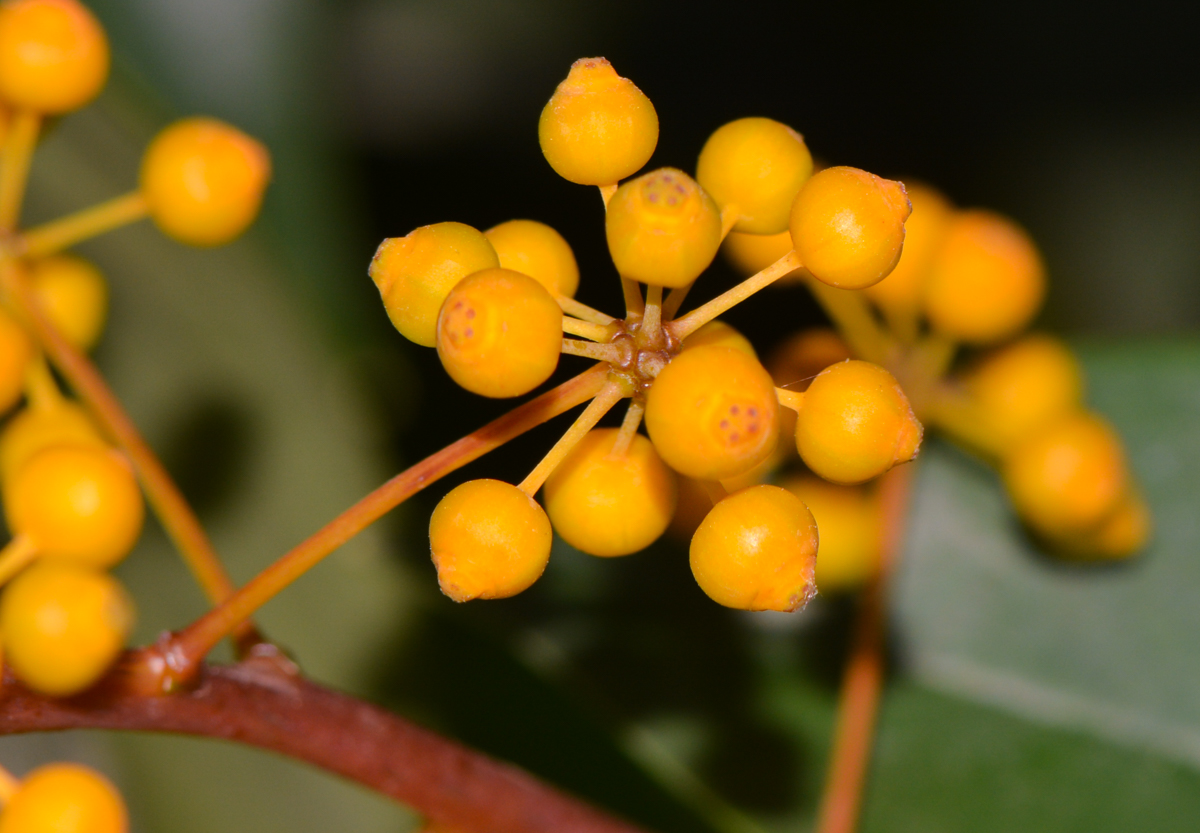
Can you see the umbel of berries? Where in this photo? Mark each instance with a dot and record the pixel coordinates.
(499, 307)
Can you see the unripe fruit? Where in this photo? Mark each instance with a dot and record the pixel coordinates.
(74, 295)
(855, 423)
(849, 521)
(986, 281)
(757, 550)
(662, 228)
(499, 333)
(610, 504)
(65, 798)
(35, 428)
(711, 413)
(1069, 477)
(597, 128)
(1024, 385)
(489, 540)
(757, 165)
(63, 625)
(53, 55)
(203, 181)
(720, 334)
(848, 226)
(749, 254)
(78, 503)
(536, 250)
(415, 273)
(903, 289)
(16, 351)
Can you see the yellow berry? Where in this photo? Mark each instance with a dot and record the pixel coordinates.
(489, 540)
(36, 428)
(73, 293)
(63, 625)
(1068, 477)
(662, 228)
(855, 423)
(53, 55)
(416, 272)
(848, 226)
(711, 413)
(65, 798)
(902, 290)
(1024, 385)
(757, 550)
(536, 250)
(499, 333)
(16, 351)
(751, 253)
(848, 519)
(610, 504)
(756, 166)
(79, 503)
(986, 281)
(203, 180)
(721, 334)
(597, 128)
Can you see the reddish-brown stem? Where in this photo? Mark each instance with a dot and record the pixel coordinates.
(446, 782)
(862, 680)
(164, 496)
(175, 660)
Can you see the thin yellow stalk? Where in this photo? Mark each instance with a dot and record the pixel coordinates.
(675, 300)
(17, 554)
(729, 218)
(75, 228)
(14, 165)
(629, 427)
(681, 328)
(793, 399)
(606, 192)
(608, 396)
(650, 334)
(586, 329)
(582, 311)
(848, 310)
(41, 391)
(591, 350)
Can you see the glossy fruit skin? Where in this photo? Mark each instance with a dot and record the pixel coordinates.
(203, 180)
(757, 165)
(489, 540)
(34, 429)
(757, 550)
(16, 351)
(855, 423)
(848, 226)
(610, 505)
(719, 333)
(986, 281)
(537, 250)
(751, 253)
(79, 503)
(597, 128)
(662, 229)
(849, 523)
(1024, 385)
(903, 289)
(415, 273)
(53, 55)
(63, 625)
(74, 294)
(1070, 476)
(65, 798)
(712, 413)
(499, 333)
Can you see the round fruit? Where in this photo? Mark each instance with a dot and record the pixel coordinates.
(53, 55)
(536, 250)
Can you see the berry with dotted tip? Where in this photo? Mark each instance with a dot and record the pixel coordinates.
(536, 250)
(597, 128)
(610, 504)
(203, 180)
(757, 165)
(63, 625)
(855, 423)
(751, 253)
(499, 333)
(757, 550)
(37, 428)
(712, 413)
(901, 292)
(53, 55)
(16, 351)
(78, 503)
(848, 226)
(849, 521)
(987, 280)
(74, 294)
(415, 273)
(489, 540)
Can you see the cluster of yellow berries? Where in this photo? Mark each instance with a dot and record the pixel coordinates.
(71, 501)
(499, 304)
